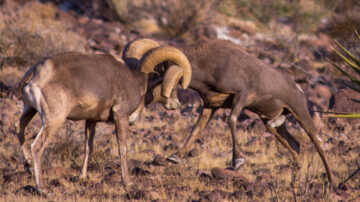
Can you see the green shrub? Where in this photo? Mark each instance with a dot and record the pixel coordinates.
(352, 61)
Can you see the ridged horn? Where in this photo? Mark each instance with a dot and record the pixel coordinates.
(172, 77)
(157, 94)
(167, 53)
(134, 50)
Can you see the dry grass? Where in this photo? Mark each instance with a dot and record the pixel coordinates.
(173, 18)
(178, 18)
(32, 32)
(266, 169)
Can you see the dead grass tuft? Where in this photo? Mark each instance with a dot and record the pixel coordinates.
(32, 32)
(174, 18)
(180, 17)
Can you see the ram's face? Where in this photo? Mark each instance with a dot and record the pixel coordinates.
(153, 95)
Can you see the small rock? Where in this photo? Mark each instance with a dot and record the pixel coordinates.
(204, 175)
(140, 172)
(171, 147)
(55, 183)
(112, 178)
(159, 160)
(217, 195)
(214, 196)
(342, 186)
(239, 195)
(153, 195)
(226, 174)
(132, 164)
(322, 91)
(27, 190)
(137, 194)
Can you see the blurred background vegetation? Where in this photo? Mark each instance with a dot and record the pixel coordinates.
(31, 30)
(179, 17)
(169, 18)
(353, 61)
(296, 36)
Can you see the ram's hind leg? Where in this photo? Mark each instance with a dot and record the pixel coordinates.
(27, 115)
(238, 105)
(280, 132)
(89, 139)
(308, 125)
(284, 138)
(49, 126)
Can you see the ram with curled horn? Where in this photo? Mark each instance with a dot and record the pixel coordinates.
(226, 76)
(76, 86)
(165, 94)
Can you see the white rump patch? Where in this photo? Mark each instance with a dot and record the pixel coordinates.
(33, 95)
(277, 121)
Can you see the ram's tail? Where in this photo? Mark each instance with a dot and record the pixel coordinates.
(28, 75)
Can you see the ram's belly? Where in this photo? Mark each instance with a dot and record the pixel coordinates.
(267, 108)
(90, 108)
(219, 100)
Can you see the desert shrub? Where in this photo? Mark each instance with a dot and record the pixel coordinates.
(303, 14)
(180, 17)
(121, 9)
(345, 18)
(32, 32)
(353, 61)
(176, 18)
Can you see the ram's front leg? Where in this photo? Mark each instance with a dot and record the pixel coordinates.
(203, 120)
(20, 126)
(121, 124)
(136, 114)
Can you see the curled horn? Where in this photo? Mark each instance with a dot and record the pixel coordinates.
(167, 53)
(134, 50)
(172, 77)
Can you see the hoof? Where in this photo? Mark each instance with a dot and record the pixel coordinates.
(128, 185)
(173, 158)
(238, 163)
(83, 177)
(49, 195)
(45, 192)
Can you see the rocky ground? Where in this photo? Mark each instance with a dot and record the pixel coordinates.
(205, 174)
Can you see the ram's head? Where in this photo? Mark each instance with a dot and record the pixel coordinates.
(147, 56)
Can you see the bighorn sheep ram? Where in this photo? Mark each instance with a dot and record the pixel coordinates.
(76, 86)
(132, 54)
(226, 76)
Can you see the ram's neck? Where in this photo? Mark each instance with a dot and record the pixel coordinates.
(142, 80)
